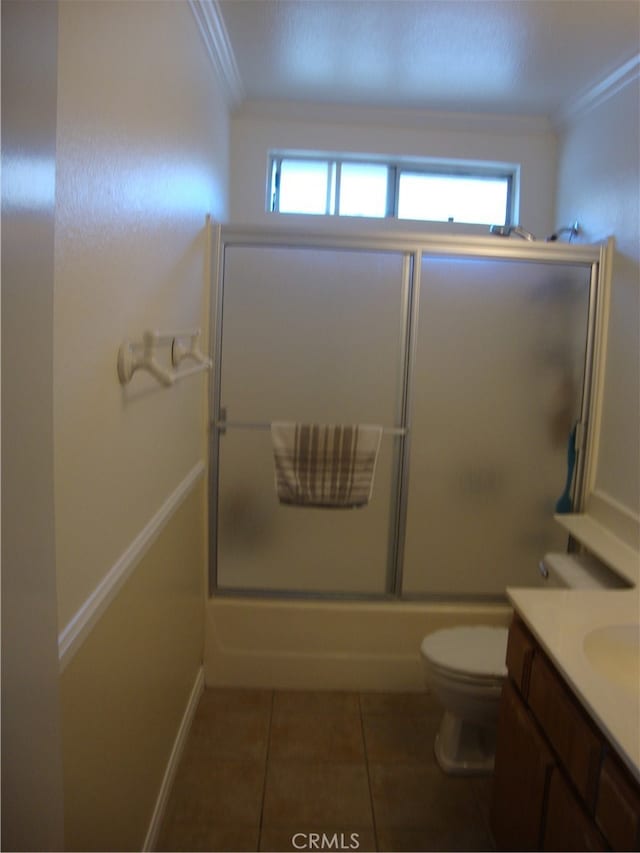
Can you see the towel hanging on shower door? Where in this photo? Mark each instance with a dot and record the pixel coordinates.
(325, 465)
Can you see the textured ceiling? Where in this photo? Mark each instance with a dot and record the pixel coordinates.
(512, 56)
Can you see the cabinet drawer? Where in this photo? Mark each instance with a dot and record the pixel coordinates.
(567, 825)
(520, 649)
(571, 735)
(618, 807)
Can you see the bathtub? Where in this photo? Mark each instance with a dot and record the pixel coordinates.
(327, 645)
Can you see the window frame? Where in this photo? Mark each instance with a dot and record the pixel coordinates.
(480, 170)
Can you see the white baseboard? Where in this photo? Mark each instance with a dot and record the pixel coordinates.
(174, 760)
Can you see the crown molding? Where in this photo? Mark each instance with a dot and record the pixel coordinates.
(357, 114)
(598, 94)
(216, 38)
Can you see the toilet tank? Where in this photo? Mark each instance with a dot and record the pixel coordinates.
(577, 571)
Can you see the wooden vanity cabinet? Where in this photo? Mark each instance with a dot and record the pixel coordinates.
(568, 826)
(618, 806)
(520, 650)
(573, 738)
(523, 766)
(558, 785)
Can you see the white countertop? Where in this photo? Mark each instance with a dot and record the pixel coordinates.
(560, 619)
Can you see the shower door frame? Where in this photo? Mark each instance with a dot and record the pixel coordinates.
(412, 247)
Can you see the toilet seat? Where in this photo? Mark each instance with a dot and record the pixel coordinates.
(464, 679)
(468, 654)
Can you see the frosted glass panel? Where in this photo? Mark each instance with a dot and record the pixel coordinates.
(264, 545)
(303, 186)
(311, 335)
(363, 189)
(452, 198)
(497, 388)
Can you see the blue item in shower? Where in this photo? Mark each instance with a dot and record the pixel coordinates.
(564, 503)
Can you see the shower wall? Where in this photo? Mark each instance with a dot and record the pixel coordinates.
(479, 358)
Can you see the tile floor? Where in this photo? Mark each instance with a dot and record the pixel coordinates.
(262, 765)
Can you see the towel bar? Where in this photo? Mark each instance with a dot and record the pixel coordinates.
(142, 356)
(266, 425)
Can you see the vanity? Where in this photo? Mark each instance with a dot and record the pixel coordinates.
(567, 768)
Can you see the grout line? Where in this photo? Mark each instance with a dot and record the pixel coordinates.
(484, 816)
(266, 770)
(366, 762)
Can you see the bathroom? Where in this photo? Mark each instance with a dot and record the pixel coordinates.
(105, 628)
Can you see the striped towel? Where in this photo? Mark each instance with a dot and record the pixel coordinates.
(325, 465)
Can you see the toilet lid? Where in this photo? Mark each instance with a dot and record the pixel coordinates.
(479, 650)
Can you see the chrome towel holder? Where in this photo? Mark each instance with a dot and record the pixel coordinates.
(142, 355)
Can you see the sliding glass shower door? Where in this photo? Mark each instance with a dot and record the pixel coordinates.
(308, 335)
(474, 362)
(497, 388)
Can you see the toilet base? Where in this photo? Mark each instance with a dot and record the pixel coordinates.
(464, 748)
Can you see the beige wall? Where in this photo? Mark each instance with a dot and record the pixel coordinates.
(31, 757)
(257, 129)
(125, 691)
(142, 156)
(598, 184)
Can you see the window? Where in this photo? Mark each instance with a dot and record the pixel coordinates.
(303, 186)
(363, 189)
(442, 192)
(453, 198)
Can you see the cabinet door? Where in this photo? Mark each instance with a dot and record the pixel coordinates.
(522, 770)
(568, 730)
(567, 825)
(618, 806)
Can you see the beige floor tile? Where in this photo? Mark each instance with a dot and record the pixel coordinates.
(317, 737)
(354, 840)
(482, 787)
(414, 796)
(419, 840)
(423, 702)
(220, 699)
(179, 836)
(236, 735)
(217, 791)
(393, 739)
(317, 780)
(314, 702)
(307, 795)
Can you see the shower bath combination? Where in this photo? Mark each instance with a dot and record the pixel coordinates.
(369, 330)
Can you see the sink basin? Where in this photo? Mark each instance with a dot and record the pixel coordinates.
(614, 653)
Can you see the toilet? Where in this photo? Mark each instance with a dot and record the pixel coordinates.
(465, 667)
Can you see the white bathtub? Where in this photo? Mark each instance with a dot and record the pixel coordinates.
(327, 645)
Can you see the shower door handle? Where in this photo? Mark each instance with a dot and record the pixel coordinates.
(221, 423)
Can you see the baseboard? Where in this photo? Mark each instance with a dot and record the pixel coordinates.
(174, 760)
